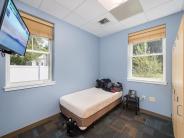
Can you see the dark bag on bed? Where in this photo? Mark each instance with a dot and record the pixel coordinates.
(105, 84)
(98, 83)
(117, 87)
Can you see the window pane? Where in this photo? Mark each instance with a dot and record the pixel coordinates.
(139, 49)
(40, 44)
(34, 66)
(154, 47)
(29, 44)
(148, 67)
(30, 59)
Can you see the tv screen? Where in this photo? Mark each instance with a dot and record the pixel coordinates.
(14, 34)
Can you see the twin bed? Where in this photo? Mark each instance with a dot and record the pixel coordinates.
(86, 106)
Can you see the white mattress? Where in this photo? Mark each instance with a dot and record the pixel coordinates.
(87, 102)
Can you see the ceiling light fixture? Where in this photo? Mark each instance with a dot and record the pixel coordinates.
(111, 4)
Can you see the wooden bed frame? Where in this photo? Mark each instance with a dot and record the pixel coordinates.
(83, 123)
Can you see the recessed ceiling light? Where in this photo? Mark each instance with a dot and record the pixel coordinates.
(111, 4)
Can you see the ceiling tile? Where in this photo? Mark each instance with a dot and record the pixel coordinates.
(114, 28)
(75, 19)
(91, 9)
(164, 10)
(53, 8)
(96, 31)
(33, 3)
(94, 28)
(101, 30)
(86, 13)
(70, 4)
(102, 34)
(149, 4)
(134, 20)
(99, 33)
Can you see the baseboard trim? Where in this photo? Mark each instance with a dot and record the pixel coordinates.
(155, 114)
(24, 129)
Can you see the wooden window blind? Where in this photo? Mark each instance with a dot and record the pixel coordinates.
(38, 26)
(153, 33)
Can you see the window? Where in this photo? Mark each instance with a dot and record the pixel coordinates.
(35, 68)
(147, 60)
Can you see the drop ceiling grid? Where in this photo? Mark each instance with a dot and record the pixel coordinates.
(56, 9)
(33, 3)
(170, 7)
(86, 13)
(71, 4)
(151, 4)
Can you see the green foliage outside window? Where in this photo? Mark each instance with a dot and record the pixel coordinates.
(26, 60)
(147, 60)
(34, 44)
(148, 67)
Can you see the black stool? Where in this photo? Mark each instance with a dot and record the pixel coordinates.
(132, 100)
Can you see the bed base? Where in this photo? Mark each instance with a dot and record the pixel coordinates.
(83, 123)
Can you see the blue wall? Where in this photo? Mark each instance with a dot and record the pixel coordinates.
(113, 64)
(75, 68)
(79, 59)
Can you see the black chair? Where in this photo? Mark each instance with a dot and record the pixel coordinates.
(132, 100)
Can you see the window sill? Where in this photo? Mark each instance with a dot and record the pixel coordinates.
(27, 85)
(148, 81)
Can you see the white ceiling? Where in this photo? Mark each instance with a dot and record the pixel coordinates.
(85, 14)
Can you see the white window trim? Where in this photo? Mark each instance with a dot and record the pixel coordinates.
(30, 84)
(146, 80)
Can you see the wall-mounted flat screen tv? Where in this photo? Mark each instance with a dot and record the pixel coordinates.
(14, 34)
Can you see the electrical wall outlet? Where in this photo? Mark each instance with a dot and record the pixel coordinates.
(152, 99)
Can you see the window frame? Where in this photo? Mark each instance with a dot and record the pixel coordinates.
(130, 78)
(11, 86)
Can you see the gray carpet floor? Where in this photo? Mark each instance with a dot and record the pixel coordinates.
(116, 124)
